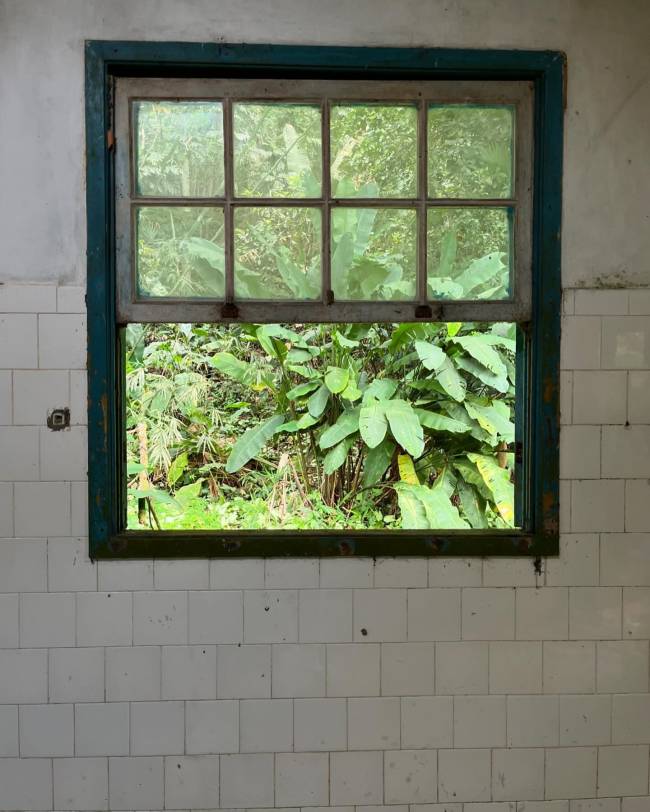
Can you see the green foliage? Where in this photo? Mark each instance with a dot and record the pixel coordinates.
(352, 426)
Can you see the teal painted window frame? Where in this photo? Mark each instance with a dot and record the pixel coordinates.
(538, 364)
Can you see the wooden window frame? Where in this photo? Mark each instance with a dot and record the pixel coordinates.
(451, 75)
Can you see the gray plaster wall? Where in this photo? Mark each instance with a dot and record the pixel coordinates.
(606, 233)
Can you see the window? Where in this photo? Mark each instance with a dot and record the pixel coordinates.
(329, 303)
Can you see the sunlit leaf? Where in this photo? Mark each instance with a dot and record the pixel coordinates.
(336, 379)
(498, 481)
(407, 470)
(431, 356)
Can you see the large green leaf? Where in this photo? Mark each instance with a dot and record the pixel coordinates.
(405, 426)
(435, 511)
(318, 401)
(372, 423)
(498, 481)
(414, 516)
(481, 271)
(380, 388)
(440, 422)
(302, 389)
(431, 355)
(336, 456)
(305, 421)
(472, 505)
(497, 382)
(177, 468)
(252, 442)
(377, 461)
(407, 470)
(481, 350)
(494, 417)
(451, 381)
(336, 379)
(347, 423)
(235, 368)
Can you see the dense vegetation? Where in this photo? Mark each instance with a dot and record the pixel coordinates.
(313, 425)
(343, 426)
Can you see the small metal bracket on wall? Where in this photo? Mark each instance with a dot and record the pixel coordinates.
(58, 419)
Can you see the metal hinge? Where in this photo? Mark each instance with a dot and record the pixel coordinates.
(110, 140)
(519, 452)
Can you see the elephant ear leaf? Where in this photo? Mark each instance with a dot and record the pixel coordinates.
(483, 352)
(377, 461)
(372, 423)
(431, 356)
(498, 482)
(405, 426)
(337, 455)
(252, 442)
(347, 424)
(451, 380)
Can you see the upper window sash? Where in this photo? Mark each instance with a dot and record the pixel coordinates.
(132, 307)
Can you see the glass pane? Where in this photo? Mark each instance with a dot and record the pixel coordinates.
(180, 251)
(277, 253)
(320, 426)
(373, 150)
(470, 151)
(179, 148)
(468, 253)
(374, 254)
(277, 150)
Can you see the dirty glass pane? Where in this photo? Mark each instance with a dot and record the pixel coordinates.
(277, 150)
(470, 151)
(373, 150)
(469, 253)
(179, 148)
(180, 251)
(374, 254)
(320, 426)
(277, 253)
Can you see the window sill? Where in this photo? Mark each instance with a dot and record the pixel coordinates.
(332, 543)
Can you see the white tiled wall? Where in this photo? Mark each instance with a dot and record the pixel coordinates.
(434, 685)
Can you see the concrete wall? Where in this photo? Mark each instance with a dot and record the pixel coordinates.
(479, 684)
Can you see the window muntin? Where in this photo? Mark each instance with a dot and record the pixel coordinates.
(310, 110)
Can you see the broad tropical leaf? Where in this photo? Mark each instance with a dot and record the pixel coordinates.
(481, 350)
(473, 509)
(380, 388)
(440, 422)
(436, 512)
(235, 368)
(405, 426)
(372, 423)
(498, 481)
(451, 381)
(497, 382)
(414, 516)
(336, 456)
(318, 401)
(377, 461)
(407, 470)
(302, 389)
(252, 442)
(347, 423)
(177, 469)
(336, 379)
(431, 355)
